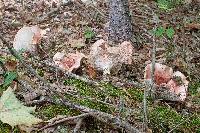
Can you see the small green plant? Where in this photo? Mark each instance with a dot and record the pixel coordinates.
(40, 72)
(170, 32)
(9, 77)
(168, 4)
(89, 34)
(160, 31)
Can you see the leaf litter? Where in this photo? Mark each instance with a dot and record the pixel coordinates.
(57, 39)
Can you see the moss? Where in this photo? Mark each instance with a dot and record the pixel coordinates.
(51, 111)
(112, 91)
(168, 4)
(163, 119)
(136, 94)
(193, 88)
(88, 90)
(40, 72)
(90, 103)
(96, 105)
(4, 128)
(83, 88)
(104, 90)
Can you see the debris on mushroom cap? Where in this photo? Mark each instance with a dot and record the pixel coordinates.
(37, 34)
(26, 38)
(178, 85)
(69, 61)
(162, 73)
(99, 56)
(58, 57)
(97, 47)
(104, 57)
(126, 51)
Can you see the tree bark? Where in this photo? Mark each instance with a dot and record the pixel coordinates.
(120, 28)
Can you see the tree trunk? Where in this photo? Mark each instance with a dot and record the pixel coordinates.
(120, 28)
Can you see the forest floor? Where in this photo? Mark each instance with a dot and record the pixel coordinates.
(75, 27)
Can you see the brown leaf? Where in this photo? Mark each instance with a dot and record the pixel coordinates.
(91, 72)
(77, 43)
(192, 26)
(11, 65)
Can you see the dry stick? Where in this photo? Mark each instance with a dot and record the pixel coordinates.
(149, 86)
(145, 120)
(78, 125)
(65, 119)
(41, 101)
(96, 100)
(81, 116)
(92, 82)
(105, 117)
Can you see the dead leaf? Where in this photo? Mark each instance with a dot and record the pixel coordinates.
(77, 43)
(91, 72)
(192, 26)
(69, 62)
(11, 65)
(13, 112)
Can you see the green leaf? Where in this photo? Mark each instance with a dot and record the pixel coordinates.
(159, 31)
(10, 76)
(165, 4)
(19, 53)
(170, 32)
(89, 34)
(2, 59)
(13, 112)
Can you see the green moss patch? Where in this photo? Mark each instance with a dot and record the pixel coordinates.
(50, 111)
(163, 119)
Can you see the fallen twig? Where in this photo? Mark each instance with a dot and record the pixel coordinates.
(78, 125)
(96, 100)
(65, 119)
(105, 117)
(42, 100)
